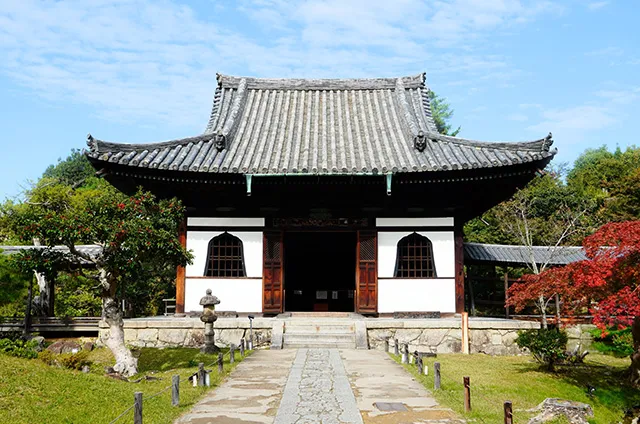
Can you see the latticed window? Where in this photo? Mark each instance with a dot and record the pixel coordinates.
(415, 258)
(225, 257)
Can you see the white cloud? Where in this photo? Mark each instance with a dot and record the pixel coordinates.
(607, 51)
(623, 97)
(577, 118)
(152, 61)
(518, 117)
(597, 5)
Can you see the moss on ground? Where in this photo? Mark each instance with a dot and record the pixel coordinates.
(33, 392)
(495, 379)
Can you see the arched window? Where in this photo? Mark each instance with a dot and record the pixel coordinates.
(225, 257)
(414, 258)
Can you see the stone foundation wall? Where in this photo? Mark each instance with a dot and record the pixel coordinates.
(493, 337)
(189, 332)
(489, 336)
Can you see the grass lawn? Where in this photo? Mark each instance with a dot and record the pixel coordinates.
(519, 379)
(33, 392)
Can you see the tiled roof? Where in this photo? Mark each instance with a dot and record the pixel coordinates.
(88, 249)
(333, 126)
(521, 255)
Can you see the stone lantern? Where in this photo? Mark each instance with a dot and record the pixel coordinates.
(209, 316)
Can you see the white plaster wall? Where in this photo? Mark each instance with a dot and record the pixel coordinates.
(226, 222)
(418, 295)
(198, 243)
(443, 251)
(414, 222)
(235, 294)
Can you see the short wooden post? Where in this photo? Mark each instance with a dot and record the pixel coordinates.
(405, 354)
(420, 365)
(137, 408)
(396, 347)
(242, 347)
(436, 375)
(220, 369)
(201, 374)
(508, 413)
(232, 353)
(175, 390)
(386, 345)
(465, 333)
(467, 394)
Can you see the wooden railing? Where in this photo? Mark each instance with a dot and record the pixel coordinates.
(51, 324)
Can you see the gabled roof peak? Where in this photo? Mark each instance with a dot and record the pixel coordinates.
(228, 81)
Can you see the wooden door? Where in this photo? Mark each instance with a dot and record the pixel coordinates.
(272, 273)
(367, 273)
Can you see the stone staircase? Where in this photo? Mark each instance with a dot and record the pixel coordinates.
(318, 332)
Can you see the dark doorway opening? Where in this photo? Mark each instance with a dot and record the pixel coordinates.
(320, 271)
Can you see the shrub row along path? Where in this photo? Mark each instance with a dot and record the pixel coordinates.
(323, 386)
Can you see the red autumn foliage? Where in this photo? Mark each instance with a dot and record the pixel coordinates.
(606, 285)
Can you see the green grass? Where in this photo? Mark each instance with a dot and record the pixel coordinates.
(495, 379)
(33, 392)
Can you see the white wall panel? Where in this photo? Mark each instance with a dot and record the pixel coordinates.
(235, 294)
(416, 295)
(198, 242)
(443, 251)
(226, 222)
(414, 222)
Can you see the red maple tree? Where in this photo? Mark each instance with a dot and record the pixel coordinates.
(606, 284)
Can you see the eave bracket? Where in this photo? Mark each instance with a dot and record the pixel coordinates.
(389, 178)
(248, 177)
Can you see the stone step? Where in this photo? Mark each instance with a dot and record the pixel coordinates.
(330, 338)
(319, 329)
(320, 345)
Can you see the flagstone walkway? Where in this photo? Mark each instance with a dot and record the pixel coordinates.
(323, 386)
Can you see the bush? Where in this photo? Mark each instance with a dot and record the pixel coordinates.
(618, 343)
(547, 346)
(19, 348)
(72, 361)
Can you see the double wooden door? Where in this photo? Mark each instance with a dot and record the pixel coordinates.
(366, 299)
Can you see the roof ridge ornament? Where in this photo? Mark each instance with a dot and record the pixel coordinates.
(220, 141)
(92, 143)
(420, 141)
(547, 142)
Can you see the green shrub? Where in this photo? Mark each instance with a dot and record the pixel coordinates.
(72, 361)
(19, 348)
(547, 346)
(618, 343)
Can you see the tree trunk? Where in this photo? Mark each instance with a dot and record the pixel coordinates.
(126, 364)
(543, 312)
(635, 356)
(27, 313)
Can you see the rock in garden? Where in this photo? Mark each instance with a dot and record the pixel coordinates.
(551, 408)
(40, 341)
(64, 346)
(88, 346)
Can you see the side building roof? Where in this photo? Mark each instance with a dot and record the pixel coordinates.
(499, 254)
(320, 126)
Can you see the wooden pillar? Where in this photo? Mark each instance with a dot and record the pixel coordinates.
(459, 269)
(181, 271)
(506, 295)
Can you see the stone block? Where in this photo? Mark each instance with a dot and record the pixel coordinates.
(130, 335)
(224, 337)
(407, 335)
(496, 338)
(148, 335)
(361, 335)
(194, 338)
(277, 335)
(171, 337)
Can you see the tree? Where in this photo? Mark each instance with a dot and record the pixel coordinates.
(546, 214)
(607, 284)
(137, 234)
(441, 112)
(73, 171)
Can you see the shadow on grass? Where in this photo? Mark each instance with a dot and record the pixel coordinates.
(603, 383)
(153, 359)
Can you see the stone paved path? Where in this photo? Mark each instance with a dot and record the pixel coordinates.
(317, 386)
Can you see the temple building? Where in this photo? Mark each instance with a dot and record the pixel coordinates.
(324, 195)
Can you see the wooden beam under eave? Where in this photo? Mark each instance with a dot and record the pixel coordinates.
(181, 271)
(459, 268)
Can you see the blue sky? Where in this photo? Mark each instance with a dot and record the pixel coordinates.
(144, 71)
